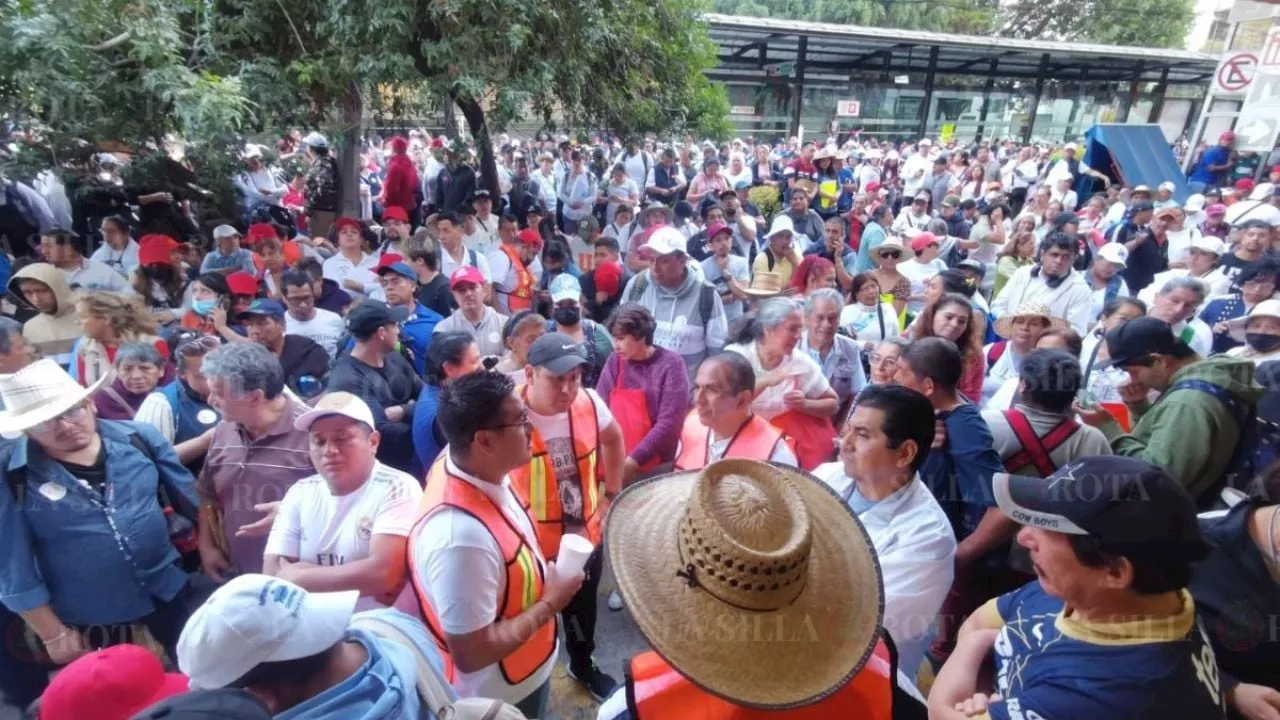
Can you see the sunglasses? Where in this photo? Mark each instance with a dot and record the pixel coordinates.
(891, 255)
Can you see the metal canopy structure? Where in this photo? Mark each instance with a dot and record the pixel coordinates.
(753, 47)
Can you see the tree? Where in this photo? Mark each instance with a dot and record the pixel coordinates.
(960, 16)
(1144, 23)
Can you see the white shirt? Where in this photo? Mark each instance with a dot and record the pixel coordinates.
(805, 376)
(315, 526)
(1201, 335)
(122, 261)
(919, 274)
(1178, 243)
(1100, 298)
(448, 263)
(1215, 282)
(865, 322)
(338, 268)
(484, 240)
(505, 277)
(1072, 300)
(916, 549)
(554, 431)
(914, 172)
(325, 327)
(463, 575)
(95, 275)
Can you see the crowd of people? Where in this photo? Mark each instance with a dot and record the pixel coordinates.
(837, 418)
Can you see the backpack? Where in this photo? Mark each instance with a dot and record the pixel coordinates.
(181, 525)
(706, 300)
(996, 352)
(1259, 438)
(431, 687)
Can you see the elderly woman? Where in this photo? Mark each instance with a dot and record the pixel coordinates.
(517, 335)
(109, 321)
(883, 361)
(868, 319)
(139, 370)
(837, 354)
(647, 389)
(791, 390)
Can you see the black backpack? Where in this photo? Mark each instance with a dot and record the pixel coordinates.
(1257, 447)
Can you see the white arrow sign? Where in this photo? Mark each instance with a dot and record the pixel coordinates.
(1255, 131)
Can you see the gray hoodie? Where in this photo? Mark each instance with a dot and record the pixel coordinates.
(678, 316)
(55, 334)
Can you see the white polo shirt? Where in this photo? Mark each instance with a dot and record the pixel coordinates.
(338, 268)
(487, 333)
(475, 258)
(315, 526)
(463, 573)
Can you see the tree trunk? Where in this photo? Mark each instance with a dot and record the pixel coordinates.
(349, 161)
(450, 118)
(474, 114)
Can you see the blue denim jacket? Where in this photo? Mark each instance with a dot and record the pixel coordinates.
(95, 558)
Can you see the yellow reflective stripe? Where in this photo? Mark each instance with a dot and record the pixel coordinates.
(592, 484)
(527, 568)
(538, 488)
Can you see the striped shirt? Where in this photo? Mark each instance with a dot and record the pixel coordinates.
(240, 472)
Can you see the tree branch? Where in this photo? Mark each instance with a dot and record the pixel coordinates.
(114, 42)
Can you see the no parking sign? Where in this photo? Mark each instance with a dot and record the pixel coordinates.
(1235, 73)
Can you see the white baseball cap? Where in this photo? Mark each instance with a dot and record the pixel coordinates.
(1194, 204)
(1167, 186)
(1114, 253)
(565, 287)
(225, 231)
(336, 403)
(1209, 243)
(665, 240)
(1071, 146)
(256, 619)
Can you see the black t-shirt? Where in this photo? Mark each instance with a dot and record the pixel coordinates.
(95, 475)
(303, 356)
(395, 383)
(1231, 267)
(435, 295)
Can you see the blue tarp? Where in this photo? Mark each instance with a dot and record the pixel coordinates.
(1132, 155)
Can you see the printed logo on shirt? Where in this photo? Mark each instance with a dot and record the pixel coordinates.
(365, 528)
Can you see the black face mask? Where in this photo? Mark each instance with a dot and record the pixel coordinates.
(567, 315)
(157, 272)
(1262, 343)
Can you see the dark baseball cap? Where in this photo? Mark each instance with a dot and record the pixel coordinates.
(1121, 501)
(262, 308)
(1141, 206)
(223, 704)
(1136, 340)
(368, 316)
(556, 352)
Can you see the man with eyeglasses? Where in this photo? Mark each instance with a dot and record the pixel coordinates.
(485, 589)
(88, 549)
(303, 318)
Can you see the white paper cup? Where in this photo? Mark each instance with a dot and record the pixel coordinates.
(574, 551)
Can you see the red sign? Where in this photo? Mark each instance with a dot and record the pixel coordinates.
(1235, 72)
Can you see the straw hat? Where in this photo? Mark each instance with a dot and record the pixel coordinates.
(809, 187)
(893, 242)
(767, 285)
(1004, 326)
(37, 393)
(753, 580)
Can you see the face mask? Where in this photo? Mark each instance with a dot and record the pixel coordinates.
(571, 316)
(1262, 343)
(157, 272)
(205, 307)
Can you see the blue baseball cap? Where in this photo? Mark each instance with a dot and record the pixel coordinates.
(399, 268)
(263, 308)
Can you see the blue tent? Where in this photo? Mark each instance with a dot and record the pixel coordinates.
(1131, 155)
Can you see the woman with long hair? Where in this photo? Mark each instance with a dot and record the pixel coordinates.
(1019, 251)
(951, 317)
(159, 279)
(814, 273)
(108, 321)
(763, 171)
(449, 356)
(974, 180)
(867, 318)
(209, 305)
(987, 239)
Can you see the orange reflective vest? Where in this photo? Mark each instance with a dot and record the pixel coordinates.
(755, 440)
(536, 486)
(521, 298)
(658, 691)
(524, 572)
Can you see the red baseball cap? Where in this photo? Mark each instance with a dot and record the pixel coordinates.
(258, 232)
(395, 213)
(465, 274)
(156, 249)
(242, 283)
(1227, 136)
(529, 236)
(1244, 185)
(112, 684)
(347, 222)
(608, 277)
(1216, 210)
(389, 259)
(922, 241)
(1275, 170)
(715, 229)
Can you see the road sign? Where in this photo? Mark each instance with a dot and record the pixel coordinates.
(1269, 58)
(848, 108)
(1235, 72)
(1257, 129)
(747, 110)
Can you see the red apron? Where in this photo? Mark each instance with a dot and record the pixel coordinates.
(630, 409)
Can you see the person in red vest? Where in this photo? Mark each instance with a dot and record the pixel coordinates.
(575, 466)
(760, 594)
(721, 423)
(487, 595)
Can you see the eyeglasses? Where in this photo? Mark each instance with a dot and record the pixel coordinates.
(73, 415)
(522, 422)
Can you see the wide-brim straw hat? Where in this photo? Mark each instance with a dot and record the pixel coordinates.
(753, 580)
(38, 393)
(1004, 326)
(893, 242)
(766, 285)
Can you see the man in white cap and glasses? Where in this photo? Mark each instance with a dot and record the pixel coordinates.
(227, 256)
(1202, 264)
(688, 311)
(347, 526)
(759, 591)
(89, 552)
(320, 192)
(489, 597)
(308, 654)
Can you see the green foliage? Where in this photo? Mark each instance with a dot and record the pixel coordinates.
(767, 198)
(960, 16)
(1145, 23)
